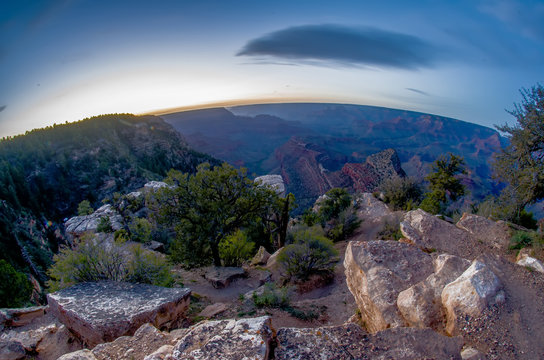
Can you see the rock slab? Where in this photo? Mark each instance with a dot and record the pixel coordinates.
(376, 272)
(221, 277)
(102, 311)
(495, 233)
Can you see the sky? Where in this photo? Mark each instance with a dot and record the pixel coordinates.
(62, 61)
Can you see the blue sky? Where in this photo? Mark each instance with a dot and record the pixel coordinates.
(67, 60)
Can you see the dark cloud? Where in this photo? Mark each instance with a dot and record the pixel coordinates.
(347, 45)
(2, 107)
(417, 91)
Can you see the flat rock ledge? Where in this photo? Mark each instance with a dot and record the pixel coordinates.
(221, 277)
(102, 311)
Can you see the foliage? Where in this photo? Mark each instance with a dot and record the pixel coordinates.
(444, 184)
(402, 193)
(521, 163)
(96, 259)
(336, 200)
(504, 207)
(208, 206)
(140, 230)
(390, 231)
(523, 239)
(272, 296)
(309, 254)
(84, 208)
(235, 249)
(15, 288)
(344, 225)
(310, 218)
(104, 225)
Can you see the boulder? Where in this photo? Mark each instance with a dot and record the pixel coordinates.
(146, 340)
(49, 339)
(226, 339)
(214, 309)
(430, 233)
(261, 257)
(472, 354)
(421, 304)
(274, 182)
(376, 272)
(155, 185)
(161, 353)
(530, 262)
(84, 354)
(470, 293)
(102, 311)
(495, 233)
(80, 224)
(349, 341)
(221, 277)
(22, 316)
(371, 208)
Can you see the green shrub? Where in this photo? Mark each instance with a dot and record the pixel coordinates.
(273, 297)
(344, 225)
(104, 225)
(521, 239)
(93, 259)
(402, 193)
(310, 253)
(310, 218)
(84, 208)
(235, 249)
(336, 201)
(140, 230)
(390, 231)
(15, 288)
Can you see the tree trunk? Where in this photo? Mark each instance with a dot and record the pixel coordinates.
(215, 253)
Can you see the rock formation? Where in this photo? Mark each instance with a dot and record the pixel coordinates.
(495, 233)
(80, 224)
(103, 311)
(275, 182)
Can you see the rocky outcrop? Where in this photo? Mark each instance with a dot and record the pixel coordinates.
(421, 304)
(376, 272)
(370, 208)
(80, 224)
(470, 294)
(214, 309)
(349, 341)
(530, 262)
(495, 233)
(20, 316)
(226, 339)
(155, 185)
(275, 182)
(261, 257)
(221, 277)
(430, 233)
(103, 311)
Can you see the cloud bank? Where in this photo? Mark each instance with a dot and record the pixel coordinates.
(340, 44)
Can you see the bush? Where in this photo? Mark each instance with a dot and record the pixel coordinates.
(390, 231)
(104, 225)
(402, 193)
(235, 249)
(84, 208)
(522, 239)
(272, 296)
(336, 201)
(309, 254)
(140, 230)
(15, 288)
(344, 225)
(95, 259)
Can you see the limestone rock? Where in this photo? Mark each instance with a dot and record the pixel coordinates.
(272, 262)
(155, 185)
(275, 182)
(349, 341)
(102, 311)
(80, 224)
(469, 294)
(371, 208)
(421, 303)
(22, 316)
(146, 340)
(495, 233)
(161, 353)
(376, 272)
(226, 339)
(261, 257)
(430, 233)
(11, 349)
(84, 354)
(472, 354)
(530, 262)
(221, 277)
(213, 309)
